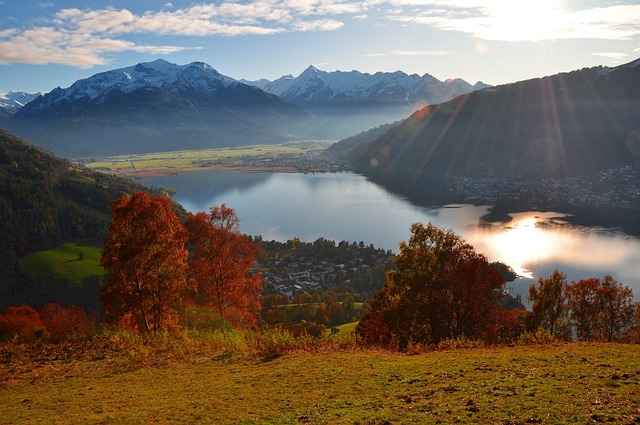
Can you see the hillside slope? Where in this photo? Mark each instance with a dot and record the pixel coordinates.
(45, 201)
(568, 124)
(551, 384)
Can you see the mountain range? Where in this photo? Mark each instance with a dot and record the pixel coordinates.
(160, 106)
(316, 88)
(12, 101)
(155, 106)
(345, 103)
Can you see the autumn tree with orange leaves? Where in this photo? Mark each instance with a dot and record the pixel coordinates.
(67, 322)
(601, 309)
(221, 259)
(145, 259)
(441, 289)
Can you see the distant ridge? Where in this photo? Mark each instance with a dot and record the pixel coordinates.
(347, 103)
(316, 88)
(12, 101)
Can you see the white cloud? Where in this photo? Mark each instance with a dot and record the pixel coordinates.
(81, 37)
(318, 25)
(509, 20)
(461, 4)
(45, 45)
(611, 55)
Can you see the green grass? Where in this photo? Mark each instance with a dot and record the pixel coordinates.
(348, 327)
(64, 261)
(204, 383)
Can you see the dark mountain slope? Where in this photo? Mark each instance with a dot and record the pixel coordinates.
(44, 201)
(564, 125)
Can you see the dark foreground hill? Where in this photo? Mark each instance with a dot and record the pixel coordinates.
(45, 201)
(569, 124)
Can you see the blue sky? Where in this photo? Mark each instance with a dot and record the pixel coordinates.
(45, 44)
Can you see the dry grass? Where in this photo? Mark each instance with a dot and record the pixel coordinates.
(245, 378)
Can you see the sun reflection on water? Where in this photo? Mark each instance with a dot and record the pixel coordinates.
(532, 239)
(521, 242)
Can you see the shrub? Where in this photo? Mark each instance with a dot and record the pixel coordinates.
(71, 322)
(21, 322)
(539, 336)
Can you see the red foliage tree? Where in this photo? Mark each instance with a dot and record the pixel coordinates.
(221, 259)
(582, 302)
(373, 330)
(475, 288)
(504, 326)
(601, 309)
(67, 322)
(22, 322)
(634, 332)
(144, 256)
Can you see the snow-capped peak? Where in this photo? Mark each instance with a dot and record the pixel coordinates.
(314, 86)
(196, 77)
(15, 100)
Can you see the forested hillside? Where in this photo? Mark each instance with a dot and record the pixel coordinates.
(45, 201)
(564, 125)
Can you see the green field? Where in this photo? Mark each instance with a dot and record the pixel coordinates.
(564, 383)
(191, 160)
(69, 260)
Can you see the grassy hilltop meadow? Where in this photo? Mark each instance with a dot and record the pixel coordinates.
(219, 380)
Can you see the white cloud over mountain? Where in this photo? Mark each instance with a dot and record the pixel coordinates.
(86, 37)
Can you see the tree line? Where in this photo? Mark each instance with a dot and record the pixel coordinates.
(165, 272)
(591, 309)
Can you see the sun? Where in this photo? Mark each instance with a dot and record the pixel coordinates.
(522, 20)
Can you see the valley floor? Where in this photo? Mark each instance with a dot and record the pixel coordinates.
(293, 157)
(551, 384)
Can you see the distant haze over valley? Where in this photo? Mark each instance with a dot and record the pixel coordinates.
(160, 106)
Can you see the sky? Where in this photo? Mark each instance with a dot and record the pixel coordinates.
(47, 43)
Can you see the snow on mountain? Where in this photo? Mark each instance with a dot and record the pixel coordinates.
(14, 100)
(196, 77)
(316, 87)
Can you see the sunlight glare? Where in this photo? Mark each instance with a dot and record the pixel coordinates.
(520, 242)
(523, 20)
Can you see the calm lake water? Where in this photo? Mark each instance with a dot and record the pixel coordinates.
(346, 206)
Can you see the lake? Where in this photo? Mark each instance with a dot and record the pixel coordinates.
(346, 206)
